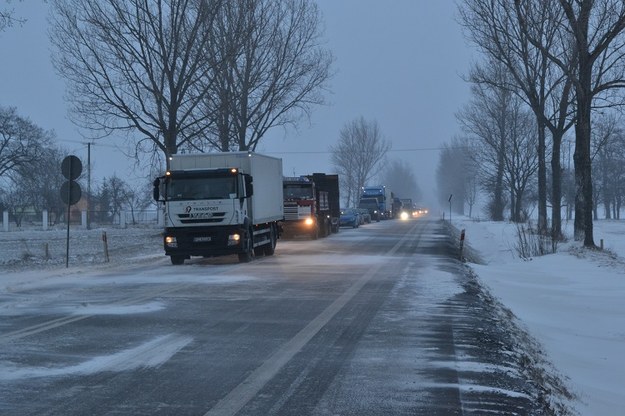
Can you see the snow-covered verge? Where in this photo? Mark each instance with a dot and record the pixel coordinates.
(31, 249)
(572, 303)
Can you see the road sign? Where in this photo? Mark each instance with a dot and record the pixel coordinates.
(71, 167)
(70, 192)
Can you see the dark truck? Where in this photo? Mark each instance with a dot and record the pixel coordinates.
(372, 205)
(311, 205)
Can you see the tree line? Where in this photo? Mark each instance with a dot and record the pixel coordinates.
(197, 76)
(548, 68)
(31, 178)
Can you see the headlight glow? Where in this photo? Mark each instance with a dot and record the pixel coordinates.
(233, 239)
(403, 215)
(309, 221)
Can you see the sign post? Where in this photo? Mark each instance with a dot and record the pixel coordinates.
(450, 196)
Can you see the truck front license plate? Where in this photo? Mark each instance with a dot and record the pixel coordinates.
(201, 239)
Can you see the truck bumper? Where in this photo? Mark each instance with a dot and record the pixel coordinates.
(203, 241)
(295, 227)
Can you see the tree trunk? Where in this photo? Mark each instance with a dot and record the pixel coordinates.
(498, 204)
(581, 156)
(556, 188)
(542, 179)
(171, 147)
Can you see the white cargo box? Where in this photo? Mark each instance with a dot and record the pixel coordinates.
(266, 171)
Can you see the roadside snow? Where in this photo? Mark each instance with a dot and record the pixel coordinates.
(572, 302)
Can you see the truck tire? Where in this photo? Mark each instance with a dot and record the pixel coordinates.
(248, 246)
(327, 228)
(270, 248)
(177, 260)
(314, 233)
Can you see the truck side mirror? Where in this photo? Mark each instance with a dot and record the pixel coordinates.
(155, 190)
(249, 187)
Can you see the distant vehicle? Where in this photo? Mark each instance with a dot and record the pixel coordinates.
(349, 218)
(311, 205)
(364, 216)
(419, 212)
(385, 199)
(371, 205)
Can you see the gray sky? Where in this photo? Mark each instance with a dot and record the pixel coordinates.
(398, 62)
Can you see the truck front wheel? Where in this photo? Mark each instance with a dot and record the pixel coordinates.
(248, 248)
(177, 260)
(270, 248)
(314, 233)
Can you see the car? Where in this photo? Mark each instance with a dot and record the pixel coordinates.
(365, 216)
(350, 217)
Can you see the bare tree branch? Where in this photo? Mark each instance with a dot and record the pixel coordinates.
(137, 66)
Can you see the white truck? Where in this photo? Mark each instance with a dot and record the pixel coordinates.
(220, 204)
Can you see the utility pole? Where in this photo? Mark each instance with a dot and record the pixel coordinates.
(88, 186)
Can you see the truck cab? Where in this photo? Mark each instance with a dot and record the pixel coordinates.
(305, 208)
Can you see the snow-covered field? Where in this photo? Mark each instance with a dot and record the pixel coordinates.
(35, 249)
(571, 302)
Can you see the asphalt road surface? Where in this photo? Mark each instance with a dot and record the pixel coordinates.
(380, 320)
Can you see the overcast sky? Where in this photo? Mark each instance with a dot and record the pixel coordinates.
(398, 62)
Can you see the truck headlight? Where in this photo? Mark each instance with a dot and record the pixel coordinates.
(309, 221)
(233, 239)
(403, 215)
(171, 241)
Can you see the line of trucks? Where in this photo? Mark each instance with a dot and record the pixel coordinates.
(239, 203)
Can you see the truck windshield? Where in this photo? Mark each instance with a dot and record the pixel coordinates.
(372, 192)
(184, 189)
(297, 192)
(368, 203)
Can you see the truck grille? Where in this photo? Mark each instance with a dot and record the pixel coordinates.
(294, 212)
(203, 218)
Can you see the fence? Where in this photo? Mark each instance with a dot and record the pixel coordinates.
(45, 220)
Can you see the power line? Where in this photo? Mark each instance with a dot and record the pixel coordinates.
(89, 142)
(319, 152)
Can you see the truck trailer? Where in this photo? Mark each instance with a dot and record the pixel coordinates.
(220, 204)
(311, 205)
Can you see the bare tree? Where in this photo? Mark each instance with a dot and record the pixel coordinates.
(21, 141)
(16, 203)
(400, 178)
(485, 120)
(505, 142)
(138, 198)
(595, 30)
(358, 156)
(40, 181)
(272, 68)
(521, 158)
(608, 158)
(501, 31)
(138, 66)
(8, 19)
(456, 174)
